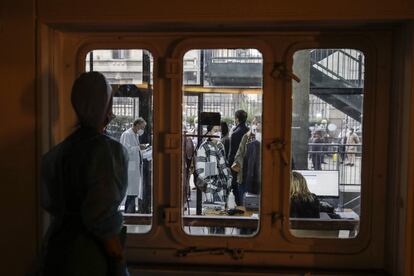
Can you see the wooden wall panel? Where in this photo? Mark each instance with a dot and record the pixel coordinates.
(18, 203)
(222, 11)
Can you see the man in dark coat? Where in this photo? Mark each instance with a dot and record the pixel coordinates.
(235, 139)
(317, 150)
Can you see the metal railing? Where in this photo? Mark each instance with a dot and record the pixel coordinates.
(345, 158)
(225, 104)
(346, 65)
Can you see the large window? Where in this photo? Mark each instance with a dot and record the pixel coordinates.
(222, 145)
(327, 113)
(131, 81)
(206, 188)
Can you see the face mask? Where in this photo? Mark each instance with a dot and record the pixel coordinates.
(215, 139)
(258, 136)
(254, 128)
(140, 132)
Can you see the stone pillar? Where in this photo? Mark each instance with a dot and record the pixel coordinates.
(300, 109)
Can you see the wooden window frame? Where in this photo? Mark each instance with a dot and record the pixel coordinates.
(64, 52)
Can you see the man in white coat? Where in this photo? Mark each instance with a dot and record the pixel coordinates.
(130, 140)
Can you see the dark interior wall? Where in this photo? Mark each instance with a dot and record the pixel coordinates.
(406, 244)
(18, 230)
(224, 11)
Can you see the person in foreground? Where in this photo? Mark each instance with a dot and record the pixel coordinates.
(303, 204)
(84, 180)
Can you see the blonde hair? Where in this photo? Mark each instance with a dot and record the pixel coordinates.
(299, 187)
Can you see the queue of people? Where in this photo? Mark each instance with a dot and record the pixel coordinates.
(347, 149)
(228, 162)
(221, 169)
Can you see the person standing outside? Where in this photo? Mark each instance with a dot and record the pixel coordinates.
(225, 138)
(317, 150)
(351, 141)
(130, 140)
(342, 147)
(240, 117)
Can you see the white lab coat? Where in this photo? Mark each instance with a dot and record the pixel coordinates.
(131, 142)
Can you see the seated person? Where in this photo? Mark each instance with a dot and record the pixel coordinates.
(303, 204)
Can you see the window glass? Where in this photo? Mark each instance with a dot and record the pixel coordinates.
(129, 72)
(325, 188)
(221, 134)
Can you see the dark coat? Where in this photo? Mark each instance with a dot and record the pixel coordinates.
(251, 168)
(235, 140)
(302, 208)
(226, 142)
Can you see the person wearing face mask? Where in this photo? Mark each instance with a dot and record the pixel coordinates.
(84, 180)
(130, 140)
(240, 117)
(213, 175)
(247, 160)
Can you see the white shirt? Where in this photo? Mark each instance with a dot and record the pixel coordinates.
(129, 139)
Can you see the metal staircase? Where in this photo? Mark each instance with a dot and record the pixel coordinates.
(336, 77)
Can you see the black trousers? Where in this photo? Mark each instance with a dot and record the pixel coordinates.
(235, 188)
(130, 206)
(316, 161)
(145, 204)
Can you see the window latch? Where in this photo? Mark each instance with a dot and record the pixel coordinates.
(235, 253)
(171, 216)
(280, 71)
(276, 216)
(170, 68)
(279, 145)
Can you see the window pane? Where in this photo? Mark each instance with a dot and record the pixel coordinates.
(221, 154)
(325, 188)
(129, 72)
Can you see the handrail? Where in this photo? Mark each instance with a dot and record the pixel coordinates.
(352, 200)
(339, 50)
(331, 70)
(350, 56)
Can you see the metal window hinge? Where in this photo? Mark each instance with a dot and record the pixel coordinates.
(279, 145)
(171, 142)
(280, 71)
(171, 215)
(275, 217)
(235, 253)
(170, 68)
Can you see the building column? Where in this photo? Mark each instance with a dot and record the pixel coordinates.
(300, 109)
